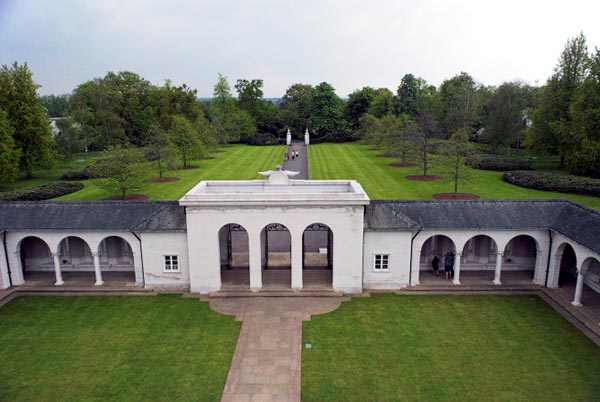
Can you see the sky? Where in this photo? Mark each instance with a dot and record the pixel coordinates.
(348, 43)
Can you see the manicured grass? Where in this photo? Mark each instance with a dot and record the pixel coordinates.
(383, 182)
(154, 348)
(447, 348)
(237, 162)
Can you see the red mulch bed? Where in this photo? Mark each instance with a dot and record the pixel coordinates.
(165, 180)
(132, 197)
(387, 156)
(455, 196)
(402, 164)
(190, 167)
(423, 178)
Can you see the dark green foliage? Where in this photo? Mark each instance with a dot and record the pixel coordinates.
(296, 108)
(548, 181)
(357, 106)
(460, 102)
(496, 162)
(382, 103)
(264, 139)
(326, 117)
(45, 192)
(120, 171)
(56, 105)
(83, 174)
(9, 153)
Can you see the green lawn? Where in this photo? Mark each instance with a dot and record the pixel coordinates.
(448, 348)
(383, 182)
(154, 348)
(237, 162)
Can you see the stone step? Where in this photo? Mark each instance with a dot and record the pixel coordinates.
(275, 293)
(470, 288)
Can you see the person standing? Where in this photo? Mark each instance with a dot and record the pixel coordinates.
(435, 265)
(449, 264)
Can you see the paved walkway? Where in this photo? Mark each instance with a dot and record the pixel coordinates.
(267, 358)
(299, 164)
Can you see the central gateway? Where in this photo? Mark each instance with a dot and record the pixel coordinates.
(276, 214)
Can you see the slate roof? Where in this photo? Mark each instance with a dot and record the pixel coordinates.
(572, 220)
(93, 215)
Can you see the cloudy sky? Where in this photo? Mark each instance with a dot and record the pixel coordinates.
(348, 43)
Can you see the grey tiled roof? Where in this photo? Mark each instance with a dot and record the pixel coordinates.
(93, 215)
(574, 221)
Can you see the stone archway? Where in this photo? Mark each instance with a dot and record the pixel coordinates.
(37, 261)
(234, 257)
(317, 256)
(566, 265)
(276, 256)
(479, 257)
(520, 259)
(439, 246)
(76, 260)
(116, 259)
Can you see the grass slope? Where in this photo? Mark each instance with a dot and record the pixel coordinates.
(448, 348)
(238, 162)
(383, 182)
(160, 348)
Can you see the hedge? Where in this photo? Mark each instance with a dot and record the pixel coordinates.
(83, 174)
(546, 181)
(44, 192)
(497, 163)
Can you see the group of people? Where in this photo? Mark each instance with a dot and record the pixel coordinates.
(448, 265)
(291, 155)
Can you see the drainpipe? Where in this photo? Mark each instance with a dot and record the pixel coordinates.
(412, 239)
(7, 260)
(141, 257)
(549, 256)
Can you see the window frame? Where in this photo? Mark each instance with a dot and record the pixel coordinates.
(168, 266)
(381, 263)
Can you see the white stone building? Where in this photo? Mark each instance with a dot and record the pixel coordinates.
(282, 234)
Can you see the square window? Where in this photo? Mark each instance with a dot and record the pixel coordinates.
(171, 263)
(381, 263)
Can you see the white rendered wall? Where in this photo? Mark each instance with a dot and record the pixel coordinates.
(203, 224)
(4, 280)
(397, 245)
(155, 245)
(582, 253)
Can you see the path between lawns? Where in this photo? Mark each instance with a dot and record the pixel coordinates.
(266, 365)
(299, 164)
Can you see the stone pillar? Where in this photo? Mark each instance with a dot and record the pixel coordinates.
(456, 280)
(59, 280)
(498, 271)
(255, 262)
(97, 269)
(578, 288)
(306, 137)
(137, 267)
(4, 280)
(288, 138)
(297, 258)
(17, 269)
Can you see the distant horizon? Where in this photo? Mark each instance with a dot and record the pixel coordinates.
(349, 44)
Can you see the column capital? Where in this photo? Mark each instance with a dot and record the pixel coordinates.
(95, 254)
(500, 253)
(459, 253)
(55, 254)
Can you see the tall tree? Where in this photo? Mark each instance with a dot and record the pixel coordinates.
(456, 150)
(357, 106)
(296, 108)
(161, 150)
(250, 95)
(459, 102)
(407, 96)
(175, 100)
(232, 124)
(505, 111)
(9, 153)
(186, 139)
(56, 105)
(326, 117)
(382, 103)
(121, 170)
(69, 140)
(27, 117)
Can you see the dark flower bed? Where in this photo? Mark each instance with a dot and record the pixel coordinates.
(497, 163)
(546, 181)
(45, 192)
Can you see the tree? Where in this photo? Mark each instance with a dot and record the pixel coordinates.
(552, 131)
(296, 108)
(56, 105)
(250, 95)
(326, 118)
(382, 103)
(69, 140)
(370, 129)
(455, 152)
(206, 132)
(459, 102)
(173, 101)
(186, 139)
(505, 111)
(120, 170)
(357, 106)
(231, 123)
(9, 153)
(407, 95)
(427, 125)
(161, 150)
(27, 117)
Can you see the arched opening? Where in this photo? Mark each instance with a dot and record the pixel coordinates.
(567, 266)
(438, 248)
(478, 261)
(591, 285)
(234, 255)
(76, 261)
(36, 259)
(317, 256)
(519, 259)
(116, 260)
(276, 256)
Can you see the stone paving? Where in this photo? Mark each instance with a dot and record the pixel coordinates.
(299, 164)
(267, 359)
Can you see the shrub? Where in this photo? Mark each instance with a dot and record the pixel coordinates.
(547, 181)
(83, 174)
(496, 162)
(45, 192)
(264, 139)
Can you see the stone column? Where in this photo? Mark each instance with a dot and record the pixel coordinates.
(498, 271)
(456, 280)
(297, 258)
(17, 269)
(97, 269)
(578, 288)
(288, 138)
(59, 280)
(137, 267)
(255, 262)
